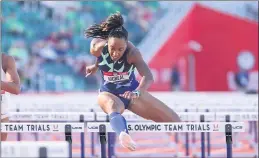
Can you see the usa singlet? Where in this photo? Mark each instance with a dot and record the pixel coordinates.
(117, 76)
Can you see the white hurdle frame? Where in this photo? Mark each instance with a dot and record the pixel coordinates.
(101, 116)
(129, 116)
(40, 149)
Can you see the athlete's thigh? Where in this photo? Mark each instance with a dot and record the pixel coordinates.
(110, 103)
(159, 111)
(139, 108)
(155, 110)
(4, 135)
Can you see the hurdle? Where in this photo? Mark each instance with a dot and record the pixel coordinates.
(129, 116)
(101, 116)
(66, 128)
(79, 102)
(196, 116)
(35, 149)
(42, 127)
(176, 107)
(227, 127)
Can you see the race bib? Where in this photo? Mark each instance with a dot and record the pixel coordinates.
(115, 76)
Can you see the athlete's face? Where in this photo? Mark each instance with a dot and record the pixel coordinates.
(116, 47)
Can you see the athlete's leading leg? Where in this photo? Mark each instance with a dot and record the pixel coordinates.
(153, 109)
(149, 107)
(114, 107)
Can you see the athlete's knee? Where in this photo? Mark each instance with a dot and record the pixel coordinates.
(107, 104)
(111, 104)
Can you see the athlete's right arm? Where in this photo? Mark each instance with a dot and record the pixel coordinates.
(96, 46)
(12, 85)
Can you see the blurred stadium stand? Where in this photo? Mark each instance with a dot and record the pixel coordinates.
(47, 40)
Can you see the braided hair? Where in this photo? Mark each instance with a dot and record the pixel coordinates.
(111, 27)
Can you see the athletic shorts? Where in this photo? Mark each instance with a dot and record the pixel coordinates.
(121, 90)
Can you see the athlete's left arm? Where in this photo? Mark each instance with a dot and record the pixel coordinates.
(12, 85)
(143, 69)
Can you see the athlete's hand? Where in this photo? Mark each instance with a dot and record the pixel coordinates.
(129, 95)
(91, 69)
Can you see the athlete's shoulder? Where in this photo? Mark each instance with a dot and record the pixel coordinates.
(133, 52)
(7, 61)
(131, 46)
(8, 58)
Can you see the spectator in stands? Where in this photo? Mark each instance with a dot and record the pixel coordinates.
(52, 39)
(86, 18)
(61, 50)
(71, 15)
(47, 52)
(252, 11)
(66, 34)
(242, 79)
(175, 79)
(15, 27)
(30, 75)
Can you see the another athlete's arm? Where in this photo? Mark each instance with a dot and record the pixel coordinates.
(12, 85)
(143, 69)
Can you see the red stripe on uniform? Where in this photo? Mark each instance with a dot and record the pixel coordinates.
(115, 73)
(122, 73)
(108, 73)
